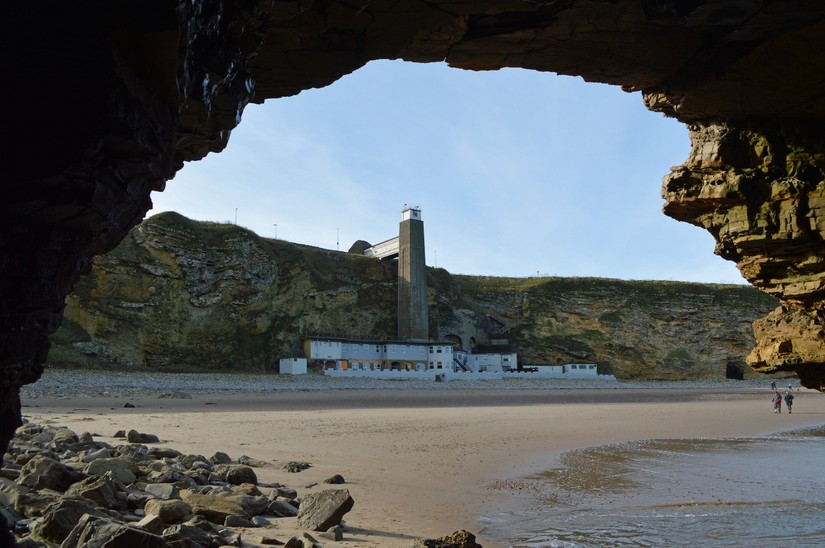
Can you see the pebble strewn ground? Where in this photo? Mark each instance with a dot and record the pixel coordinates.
(65, 383)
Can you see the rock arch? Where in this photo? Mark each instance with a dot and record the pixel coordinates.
(106, 100)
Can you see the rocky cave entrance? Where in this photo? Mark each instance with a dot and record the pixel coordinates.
(735, 371)
(147, 87)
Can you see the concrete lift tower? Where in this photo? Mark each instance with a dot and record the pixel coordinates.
(408, 247)
(413, 319)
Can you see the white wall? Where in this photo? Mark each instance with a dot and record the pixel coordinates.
(324, 350)
(293, 366)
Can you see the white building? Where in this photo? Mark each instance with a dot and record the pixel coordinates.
(292, 366)
(342, 354)
(493, 358)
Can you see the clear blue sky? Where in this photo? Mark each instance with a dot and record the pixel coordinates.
(516, 173)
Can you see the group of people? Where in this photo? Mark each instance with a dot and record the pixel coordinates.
(777, 399)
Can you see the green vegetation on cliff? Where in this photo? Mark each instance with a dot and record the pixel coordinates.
(634, 329)
(182, 295)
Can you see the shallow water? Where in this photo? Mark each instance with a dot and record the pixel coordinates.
(700, 492)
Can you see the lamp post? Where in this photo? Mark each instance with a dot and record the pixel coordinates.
(276, 230)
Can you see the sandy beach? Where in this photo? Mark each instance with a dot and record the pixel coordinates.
(418, 462)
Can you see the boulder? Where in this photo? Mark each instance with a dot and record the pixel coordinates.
(163, 453)
(334, 533)
(260, 521)
(188, 461)
(325, 509)
(34, 503)
(98, 489)
(215, 508)
(252, 505)
(85, 437)
(60, 517)
(164, 491)
(123, 471)
(304, 541)
(10, 491)
(236, 474)
(96, 532)
(237, 521)
(282, 509)
(283, 492)
(459, 539)
(59, 435)
(153, 524)
(249, 461)
(246, 489)
(169, 511)
(337, 479)
(220, 458)
(46, 473)
(184, 535)
(102, 453)
(133, 436)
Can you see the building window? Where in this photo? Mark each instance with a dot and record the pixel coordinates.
(439, 350)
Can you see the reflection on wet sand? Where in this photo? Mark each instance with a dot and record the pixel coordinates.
(720, 492)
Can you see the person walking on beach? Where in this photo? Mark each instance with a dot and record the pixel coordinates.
(773, 386)
(789, 400)
(777, 402)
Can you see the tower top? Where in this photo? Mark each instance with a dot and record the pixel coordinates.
(411, 212)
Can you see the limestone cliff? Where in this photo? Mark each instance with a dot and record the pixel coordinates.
(185, 295)
(633, 329)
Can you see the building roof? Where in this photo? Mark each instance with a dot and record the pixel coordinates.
(376, 341)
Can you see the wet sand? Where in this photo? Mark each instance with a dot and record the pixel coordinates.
(424, 463)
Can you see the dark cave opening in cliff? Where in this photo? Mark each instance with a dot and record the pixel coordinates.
(735, 371)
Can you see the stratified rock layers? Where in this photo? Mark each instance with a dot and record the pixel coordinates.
(184, 295)
(760, 190)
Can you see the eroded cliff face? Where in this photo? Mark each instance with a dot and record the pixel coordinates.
(183, 295)
(106, 100)
(760, 191)
(633, 329)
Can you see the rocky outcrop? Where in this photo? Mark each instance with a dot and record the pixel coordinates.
(459, 539)
(101, 118)
(632, 329)
(199, 509)
(759, 190)
(193, 296)
(323, 510)
(185, 295)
